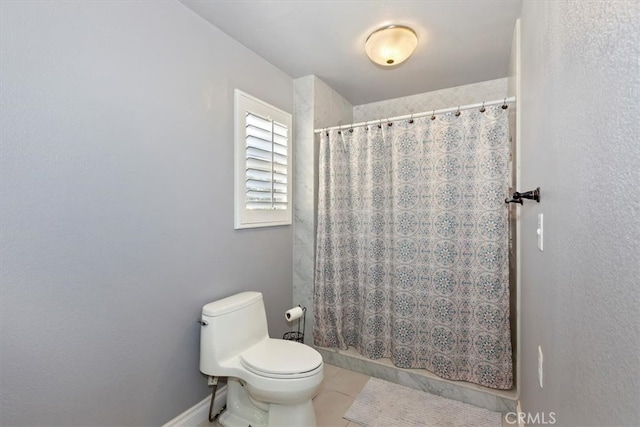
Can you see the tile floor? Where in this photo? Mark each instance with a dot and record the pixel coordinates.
(338, 391)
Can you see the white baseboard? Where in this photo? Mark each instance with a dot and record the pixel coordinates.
(199, 413)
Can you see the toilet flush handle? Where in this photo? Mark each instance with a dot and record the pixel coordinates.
(203, 322)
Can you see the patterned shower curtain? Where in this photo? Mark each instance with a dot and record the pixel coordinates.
(412, 241)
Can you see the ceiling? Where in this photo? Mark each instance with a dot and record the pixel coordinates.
(460, 41)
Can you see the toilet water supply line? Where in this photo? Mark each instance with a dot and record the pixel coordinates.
(213, 381)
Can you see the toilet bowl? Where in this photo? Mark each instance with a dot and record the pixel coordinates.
(270, 381)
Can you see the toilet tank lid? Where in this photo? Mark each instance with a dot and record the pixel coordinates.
(230, 304)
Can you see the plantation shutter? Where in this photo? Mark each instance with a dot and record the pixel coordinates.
(266, 163)
(263, 166)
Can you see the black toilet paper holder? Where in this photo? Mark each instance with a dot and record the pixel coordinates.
(297, 335)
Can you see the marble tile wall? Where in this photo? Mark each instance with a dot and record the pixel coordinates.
(460, 95)
(316, 105)
(303, 197)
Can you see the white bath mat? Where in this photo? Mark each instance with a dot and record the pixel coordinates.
(384, 404)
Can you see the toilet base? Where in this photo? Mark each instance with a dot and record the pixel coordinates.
(242, 412)
(301, 415)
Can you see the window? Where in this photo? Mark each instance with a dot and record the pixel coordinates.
(263, 163)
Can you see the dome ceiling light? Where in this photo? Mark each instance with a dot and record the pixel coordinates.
(391, 45)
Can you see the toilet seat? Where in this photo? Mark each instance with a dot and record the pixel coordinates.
(275, 358)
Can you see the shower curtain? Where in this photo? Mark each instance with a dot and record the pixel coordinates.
(412, 241)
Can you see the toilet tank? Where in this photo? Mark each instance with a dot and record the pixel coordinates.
(229, 326)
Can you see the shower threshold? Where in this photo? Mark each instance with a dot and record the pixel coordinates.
(502, 401)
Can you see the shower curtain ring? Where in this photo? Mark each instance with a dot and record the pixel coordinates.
(458, 112)
(388, 122)
(482, 109)
(433, 115)
(411, 119)
(380, 124)
(504, 104)
(339, 130)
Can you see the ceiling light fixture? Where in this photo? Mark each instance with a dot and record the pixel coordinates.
(391, 45)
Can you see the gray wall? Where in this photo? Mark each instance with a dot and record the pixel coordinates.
(117, 208)
(580, 127)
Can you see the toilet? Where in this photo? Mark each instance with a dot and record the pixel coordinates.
(270, 381)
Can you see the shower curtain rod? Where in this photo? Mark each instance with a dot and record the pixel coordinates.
(504, 101)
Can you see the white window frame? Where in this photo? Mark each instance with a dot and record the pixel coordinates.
(251, 218)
